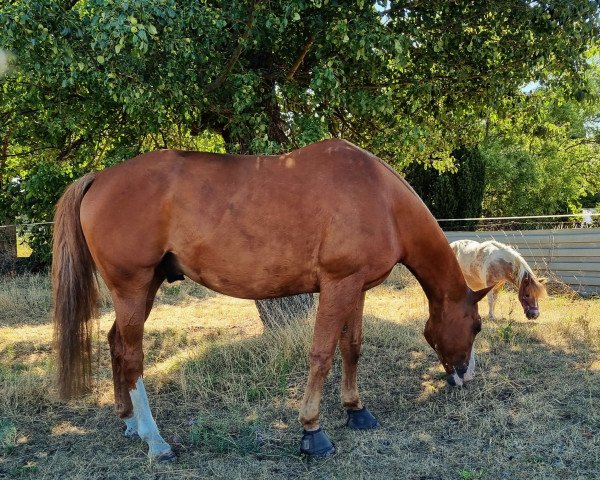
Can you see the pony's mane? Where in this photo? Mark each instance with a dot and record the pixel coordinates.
(536, 284)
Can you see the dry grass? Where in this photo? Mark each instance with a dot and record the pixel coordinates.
(227, 394)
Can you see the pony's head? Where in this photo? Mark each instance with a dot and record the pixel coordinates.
(530, 290)
(451, 330)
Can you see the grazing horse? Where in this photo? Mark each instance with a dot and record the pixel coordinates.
(492, 263)
(329, 218)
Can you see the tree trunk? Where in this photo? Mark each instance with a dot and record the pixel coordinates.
(278, 312)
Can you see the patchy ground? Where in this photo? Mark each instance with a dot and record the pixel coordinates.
(226, 394)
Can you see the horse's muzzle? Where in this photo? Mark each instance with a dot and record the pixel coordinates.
(457, 379)
(464, 373)
(532, 313)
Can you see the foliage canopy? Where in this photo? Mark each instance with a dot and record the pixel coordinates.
(97, 81)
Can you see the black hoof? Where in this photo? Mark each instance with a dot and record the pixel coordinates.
(166, 457)
(317, 444)
(361, 420)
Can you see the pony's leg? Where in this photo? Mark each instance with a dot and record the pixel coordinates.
(123, 403)
(350, 343)
(131, 306)
(338, 301)
(492, 296)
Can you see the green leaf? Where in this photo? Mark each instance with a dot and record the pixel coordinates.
(100, 59)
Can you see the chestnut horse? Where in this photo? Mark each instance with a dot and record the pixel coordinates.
(493, 263)
(329, 218)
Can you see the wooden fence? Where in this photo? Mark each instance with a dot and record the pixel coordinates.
(573, 255)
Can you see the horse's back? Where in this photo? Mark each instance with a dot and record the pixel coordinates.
(232, 219)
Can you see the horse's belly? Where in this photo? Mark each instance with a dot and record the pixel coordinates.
(275, 268)
(244, 272)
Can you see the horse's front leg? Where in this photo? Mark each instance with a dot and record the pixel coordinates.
(350, 343)
(338, 302)
(131, 314)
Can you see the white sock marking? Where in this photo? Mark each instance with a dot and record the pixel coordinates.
(146, 426)
(132, 427)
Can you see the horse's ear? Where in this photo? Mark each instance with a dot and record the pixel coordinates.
(474, 297)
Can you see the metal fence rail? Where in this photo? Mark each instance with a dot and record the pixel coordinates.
(573, 255)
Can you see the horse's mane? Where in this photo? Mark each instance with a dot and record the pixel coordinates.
(536, 283)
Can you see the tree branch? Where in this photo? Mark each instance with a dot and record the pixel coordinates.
(67, 149)
(584, 141)
(300, 59)
(4, 154)
(236, 53)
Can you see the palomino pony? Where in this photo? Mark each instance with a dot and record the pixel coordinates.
(492, 263)
(329, 218)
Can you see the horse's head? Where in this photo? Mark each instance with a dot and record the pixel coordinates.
(530, 290)
(451, 330)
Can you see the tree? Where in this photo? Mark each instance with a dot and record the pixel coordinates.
(546, 163)
(410, 83)
(98, 81)
(452, 194)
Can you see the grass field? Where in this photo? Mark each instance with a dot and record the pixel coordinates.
(226, 394)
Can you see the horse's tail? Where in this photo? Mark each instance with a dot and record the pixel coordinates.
(75, 292)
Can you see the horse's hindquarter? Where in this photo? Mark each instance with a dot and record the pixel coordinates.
(251, 227)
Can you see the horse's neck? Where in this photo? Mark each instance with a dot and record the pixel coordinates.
(514, 274)
(426, 251)
(432, 262)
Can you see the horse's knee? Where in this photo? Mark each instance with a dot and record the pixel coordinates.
(321, 362)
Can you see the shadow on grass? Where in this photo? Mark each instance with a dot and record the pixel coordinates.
(232, 405)
(525, 393)
(26, 300)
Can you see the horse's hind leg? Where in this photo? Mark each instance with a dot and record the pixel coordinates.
(123, 403)
(132, 304)
(338, 302)
(350, 343)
